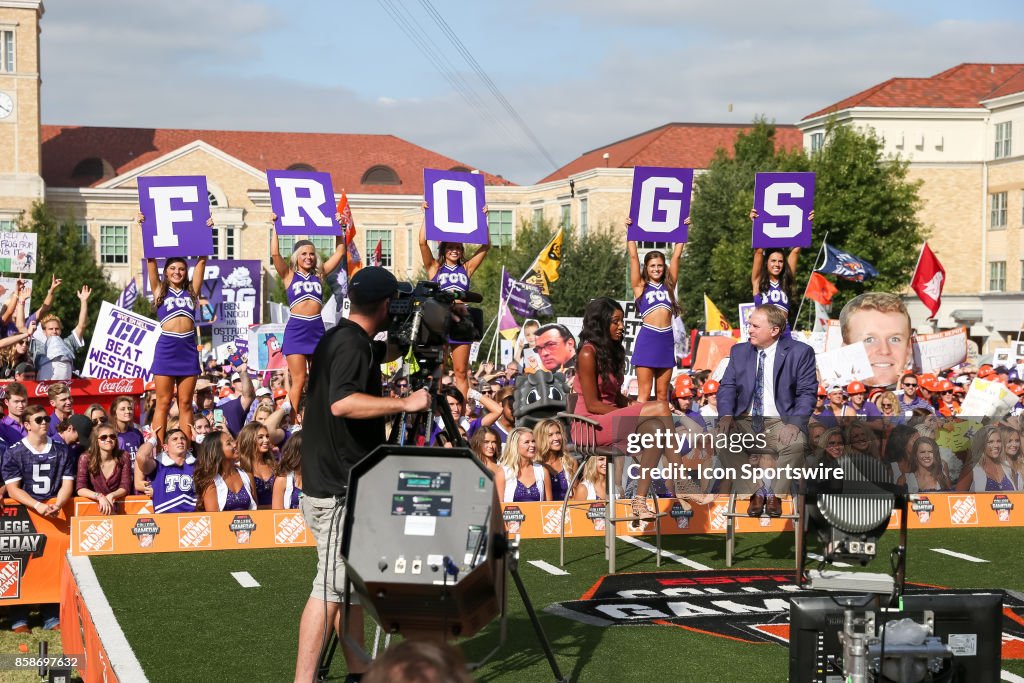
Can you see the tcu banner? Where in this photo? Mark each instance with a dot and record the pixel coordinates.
(176, 210)
(455, 207)
(303, 202)
(783, 202)
(122, 345)
(660, 203)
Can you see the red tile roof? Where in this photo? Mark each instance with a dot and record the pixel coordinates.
(345, 156)
(962, 87)
(685, 145)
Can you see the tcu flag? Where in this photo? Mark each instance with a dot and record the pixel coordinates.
(783, 202)
(303, 202)
(929, 277)
(176, 209)
(455, 207)
(660, 203)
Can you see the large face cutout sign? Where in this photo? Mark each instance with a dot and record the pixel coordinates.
(455, 207)
(176, 209)
(659, 204)
(783, 202)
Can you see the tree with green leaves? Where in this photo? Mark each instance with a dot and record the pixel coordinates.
(61, 255)
(863, 200)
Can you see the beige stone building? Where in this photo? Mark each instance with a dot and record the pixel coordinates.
(956, 129)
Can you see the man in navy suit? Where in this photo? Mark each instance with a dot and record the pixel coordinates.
(769, 388)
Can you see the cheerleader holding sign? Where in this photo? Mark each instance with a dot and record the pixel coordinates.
(654, 284)
(774, 273)
(453, 273)
(301, 277)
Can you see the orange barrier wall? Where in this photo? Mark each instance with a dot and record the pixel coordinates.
(78, 633)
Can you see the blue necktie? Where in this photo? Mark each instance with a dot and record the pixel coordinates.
(757, 409)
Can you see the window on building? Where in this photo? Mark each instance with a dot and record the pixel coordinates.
(499, 225)
(324, 245)
(372, 238)
(583, 217)
(7, 51)
(1004, 139)
(660, 246)
(998, 218)
(817, 141)
(212, 198)
(997, 276)
(7, 225)
(114, 244)
(91, 169)
(301, 167)
(565, 219)
(284, 244)
(83, 235)
(538, 218)
(381, 175)
(225, 242)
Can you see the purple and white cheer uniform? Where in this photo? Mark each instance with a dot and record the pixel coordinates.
(654, 346)
(303, 332)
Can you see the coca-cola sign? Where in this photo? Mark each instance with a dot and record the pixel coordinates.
(85, 392)
(121, 386)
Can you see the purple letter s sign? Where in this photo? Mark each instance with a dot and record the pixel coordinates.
(660, 203)
(176, 210)
(783, 202)
(455, 207)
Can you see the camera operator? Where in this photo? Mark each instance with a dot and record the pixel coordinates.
(346, 411)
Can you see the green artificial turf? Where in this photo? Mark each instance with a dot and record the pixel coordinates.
(186, 617)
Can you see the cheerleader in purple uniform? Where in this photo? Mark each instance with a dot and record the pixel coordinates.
(654, 284)
(176, 357)
(453, 273)
(773, 274)
(301, 277)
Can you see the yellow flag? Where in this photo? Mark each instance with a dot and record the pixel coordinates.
(714, 321)
(550, 258)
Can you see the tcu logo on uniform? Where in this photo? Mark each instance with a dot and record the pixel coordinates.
(653, 297)
(775, 296)
(174, 302)
(446, 280)
(178, 482)
(306, 287)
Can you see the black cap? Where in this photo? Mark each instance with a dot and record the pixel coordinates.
(372, 284)
(83, 426)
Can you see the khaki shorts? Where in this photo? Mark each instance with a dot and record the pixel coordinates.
(330, 568)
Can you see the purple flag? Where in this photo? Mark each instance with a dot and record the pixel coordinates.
(176, 210)
(303, 202)
(525, 299)
(455, 207)
(783, 202)
(129, 295)
(660, 203)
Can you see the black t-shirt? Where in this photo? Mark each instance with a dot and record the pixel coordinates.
(345, 362)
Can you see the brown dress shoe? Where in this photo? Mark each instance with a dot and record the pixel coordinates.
(773, 506)
(756, 508)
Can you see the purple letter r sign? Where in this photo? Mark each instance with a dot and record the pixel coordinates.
(783, 202)
(455, 207)
(176, 210)
(660, 203)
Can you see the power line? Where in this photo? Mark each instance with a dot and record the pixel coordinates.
(454, 39)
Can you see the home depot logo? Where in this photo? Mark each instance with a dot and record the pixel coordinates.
(10, 577)
(289, 529)
(552, 518)
(195, 532)
(718, 519)
(963, 510)
(96, 536)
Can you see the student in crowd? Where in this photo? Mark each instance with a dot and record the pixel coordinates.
(200, 428)
(288, 475)
(909, 398)
(521, 478)
(926, 471)
(453, 273)
(170, 472)
(861, 439)
(505, 397)
(654, 284)
(220, 483)
(60, 400)
(176, 357)
(989, 469)
(1012, 447)
(858, 402)
(54, 356)
(593, 483)
(97, 414)
(301, 276)
(129, 436)
(104, 471)
(682, 394)
(257, 458)
(486, 444)
(14, 351)
(12, 425)
(553, 453)
(235, 402)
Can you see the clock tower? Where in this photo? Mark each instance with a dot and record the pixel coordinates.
(21, 181)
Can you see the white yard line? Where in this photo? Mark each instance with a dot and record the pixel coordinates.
(122, 657)
(664, 553)
(969, 558)
(245, 579)
(548, 567)
(1012, 677)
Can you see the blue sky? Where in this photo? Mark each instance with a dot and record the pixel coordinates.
(581, 73)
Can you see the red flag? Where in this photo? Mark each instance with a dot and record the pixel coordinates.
(354, 260)
(378, 253)
(820, 289)
(929, 278)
